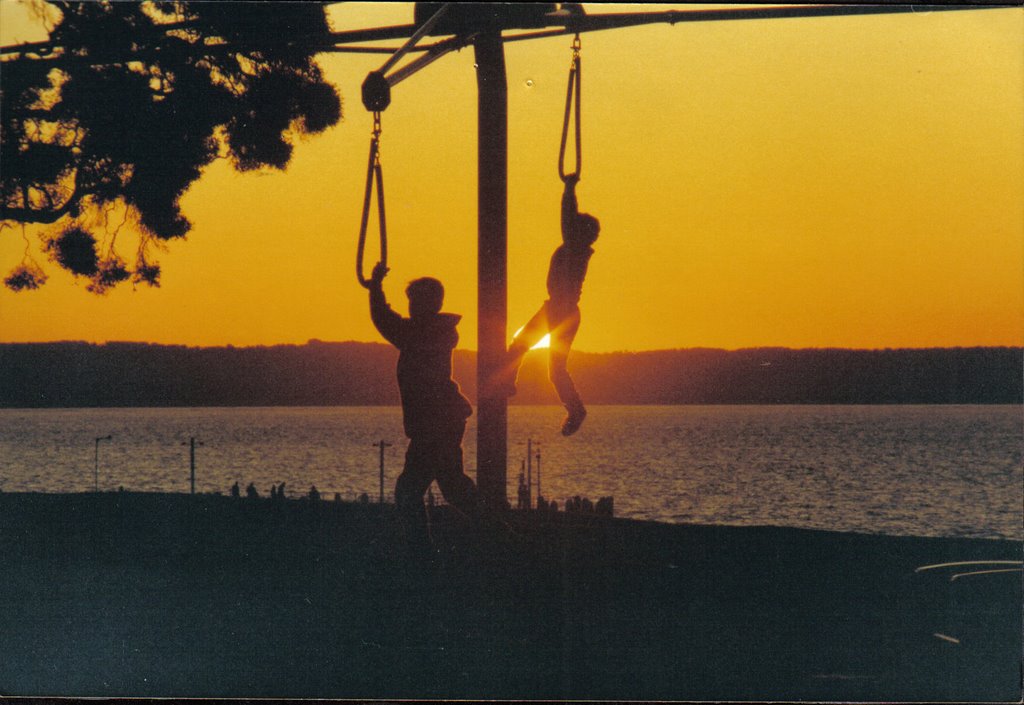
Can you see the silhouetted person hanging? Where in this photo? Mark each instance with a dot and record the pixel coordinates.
(434, 411)
(560, 314)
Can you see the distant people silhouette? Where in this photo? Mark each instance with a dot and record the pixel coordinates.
(560, 314)
(524, 493)
(251, 492)
(235, 491)
(434, 411)
(314, 493)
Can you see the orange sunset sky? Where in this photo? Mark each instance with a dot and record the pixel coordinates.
(849, 182)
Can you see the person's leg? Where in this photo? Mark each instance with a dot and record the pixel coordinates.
(531, 334)
(461, 492)
(535, 329)
(562, 336)
(409, 490)
(458, 489)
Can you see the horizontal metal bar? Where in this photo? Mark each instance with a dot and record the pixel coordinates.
(587, 23)
(361, 50)
(593, 23)
(597, 22)
(373, 34)
(540, 34)
(353, 36)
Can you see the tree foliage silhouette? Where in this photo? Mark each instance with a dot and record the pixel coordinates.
(123, 106)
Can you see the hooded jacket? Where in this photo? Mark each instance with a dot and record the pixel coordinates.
(432, 404)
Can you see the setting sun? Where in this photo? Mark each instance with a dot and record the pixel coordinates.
(544, 342)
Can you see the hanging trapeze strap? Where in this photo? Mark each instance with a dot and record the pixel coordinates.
(573, 91)
(376, 92)
(374, 175)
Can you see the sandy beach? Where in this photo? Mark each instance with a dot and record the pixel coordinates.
(124, 594)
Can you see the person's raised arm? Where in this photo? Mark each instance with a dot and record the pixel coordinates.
(570, 208)
(384, 318)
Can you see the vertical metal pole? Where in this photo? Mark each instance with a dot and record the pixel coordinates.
(192, 465)
(492, 239)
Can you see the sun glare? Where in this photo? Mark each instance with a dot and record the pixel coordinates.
(544, 342)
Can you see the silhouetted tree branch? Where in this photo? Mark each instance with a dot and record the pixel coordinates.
(126, 103)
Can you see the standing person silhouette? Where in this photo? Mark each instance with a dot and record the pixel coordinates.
(434, 411)
(560, 314)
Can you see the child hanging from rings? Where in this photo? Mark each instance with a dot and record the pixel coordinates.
(560, 314)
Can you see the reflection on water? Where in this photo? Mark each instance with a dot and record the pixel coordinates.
(919, 470)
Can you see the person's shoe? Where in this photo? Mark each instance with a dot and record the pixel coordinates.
(574, 420)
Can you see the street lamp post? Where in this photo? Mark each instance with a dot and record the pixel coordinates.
(96, 459)
(192, 463)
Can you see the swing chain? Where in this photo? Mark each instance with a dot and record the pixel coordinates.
(374, 176)
(573, 99)
(376, 138)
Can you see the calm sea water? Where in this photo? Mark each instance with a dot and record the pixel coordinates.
(904, 470)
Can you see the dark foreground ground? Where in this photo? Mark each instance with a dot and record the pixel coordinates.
(171, 595)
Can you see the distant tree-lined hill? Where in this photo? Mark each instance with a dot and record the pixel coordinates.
(75, 374)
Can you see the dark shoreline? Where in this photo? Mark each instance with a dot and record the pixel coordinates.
(162, 595)
(70, 374)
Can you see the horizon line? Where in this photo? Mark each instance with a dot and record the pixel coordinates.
(317, 341)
